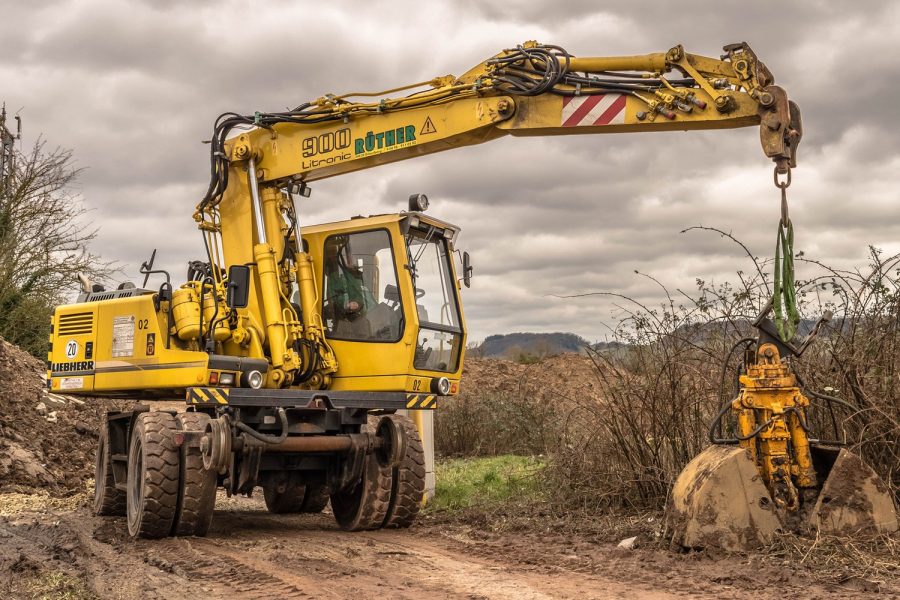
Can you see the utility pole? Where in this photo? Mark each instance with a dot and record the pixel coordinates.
(7, 149)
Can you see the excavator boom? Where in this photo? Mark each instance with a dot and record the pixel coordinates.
(531, 90)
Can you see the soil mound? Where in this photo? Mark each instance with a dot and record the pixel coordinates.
(562, 376)
(46, 440)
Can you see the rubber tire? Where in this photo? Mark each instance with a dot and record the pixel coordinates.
(365, 506)
(408, 480)
(153, 474)
(197, 486)
(290, 499)
(316, 498)
(108, 501)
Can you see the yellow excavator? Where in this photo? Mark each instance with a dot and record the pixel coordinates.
(298, 347)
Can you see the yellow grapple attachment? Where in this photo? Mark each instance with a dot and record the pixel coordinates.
(721, 501)
(774, 477)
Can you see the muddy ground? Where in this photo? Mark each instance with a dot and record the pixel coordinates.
(52, 547)
(55, 548)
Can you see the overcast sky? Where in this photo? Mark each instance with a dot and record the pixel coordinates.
(133, 87)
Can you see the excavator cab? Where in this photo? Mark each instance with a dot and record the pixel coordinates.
(390, 302)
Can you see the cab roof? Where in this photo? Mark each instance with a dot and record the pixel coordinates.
(375, 221)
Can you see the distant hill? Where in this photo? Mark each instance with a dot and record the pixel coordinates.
(700, 332)
(536, 344)
(533, 345)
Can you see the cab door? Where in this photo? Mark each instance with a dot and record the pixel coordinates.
(363, 305)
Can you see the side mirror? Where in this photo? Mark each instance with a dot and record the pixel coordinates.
(237, 292)
(467, 270)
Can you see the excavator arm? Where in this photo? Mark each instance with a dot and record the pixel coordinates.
(532, 90)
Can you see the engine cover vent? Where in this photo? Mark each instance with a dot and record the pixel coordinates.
(76, 324)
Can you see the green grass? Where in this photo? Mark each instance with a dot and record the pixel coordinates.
(484, 482)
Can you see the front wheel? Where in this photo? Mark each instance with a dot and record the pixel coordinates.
(316, 498)
(153, 475)
(284, 492)
(408, 478)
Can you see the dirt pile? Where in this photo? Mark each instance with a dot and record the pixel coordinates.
(563, 376)
(46, 440)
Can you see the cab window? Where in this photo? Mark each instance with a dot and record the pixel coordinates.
(361, 300)
(440, 335)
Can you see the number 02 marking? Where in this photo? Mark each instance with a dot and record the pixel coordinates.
(143, 324)
(417, 385)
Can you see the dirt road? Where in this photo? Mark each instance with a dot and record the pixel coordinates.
(251, 554)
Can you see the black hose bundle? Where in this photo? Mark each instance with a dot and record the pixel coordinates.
(530, 71)
(198, 270)
(304, 114)
(309, 355)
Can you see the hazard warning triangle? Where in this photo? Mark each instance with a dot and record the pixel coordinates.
(427, 127)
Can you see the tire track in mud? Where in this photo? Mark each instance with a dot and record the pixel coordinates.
(307, 557)
(442, 570)
(446, 562)
(399, 564)
(236, 574)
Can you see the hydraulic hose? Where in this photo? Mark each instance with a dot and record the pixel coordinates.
(711, 433)
(717, 422)
(268, 439)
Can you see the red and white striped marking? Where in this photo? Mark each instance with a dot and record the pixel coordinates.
(602, 109)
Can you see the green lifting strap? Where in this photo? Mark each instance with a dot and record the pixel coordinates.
(784, 300)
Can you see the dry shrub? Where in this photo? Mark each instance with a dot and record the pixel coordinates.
(506, 407)
(657, 395)
(858, 359)
(513, 422)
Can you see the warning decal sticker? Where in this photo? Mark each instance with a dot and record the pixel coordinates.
(427, 127)
(71, 383)
(123, 336)
(600, 109)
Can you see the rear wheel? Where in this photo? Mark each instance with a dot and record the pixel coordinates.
(108, 501)
(284, 492)
(197, 486)
(291, 493)
(408, 481)
(315, 499)
(153, 475)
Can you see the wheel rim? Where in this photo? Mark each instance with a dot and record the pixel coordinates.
(135, 482)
